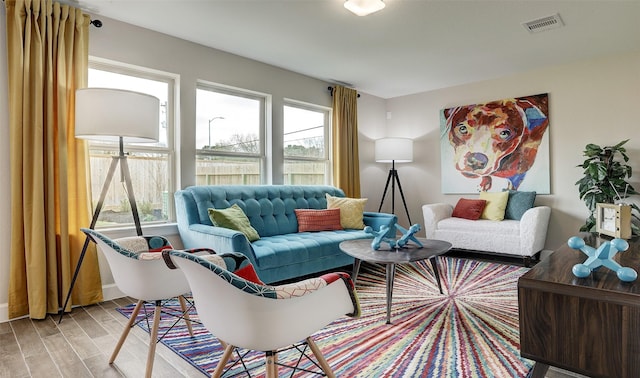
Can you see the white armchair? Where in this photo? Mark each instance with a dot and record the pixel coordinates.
(524, 238)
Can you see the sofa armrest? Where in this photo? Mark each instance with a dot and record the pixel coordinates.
(434, 213)
(533, 229)
(221, 240)
(376, 220)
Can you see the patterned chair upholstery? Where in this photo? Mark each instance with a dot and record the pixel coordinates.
(262, 317)
(140, 272)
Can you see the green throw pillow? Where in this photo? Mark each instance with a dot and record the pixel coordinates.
(234, 218)
(518, 203)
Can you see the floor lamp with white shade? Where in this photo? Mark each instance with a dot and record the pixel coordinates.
(394, 150)
(114, 115)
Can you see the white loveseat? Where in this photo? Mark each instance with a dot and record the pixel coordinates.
(524, 238)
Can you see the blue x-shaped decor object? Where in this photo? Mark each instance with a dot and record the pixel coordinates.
(603, 256)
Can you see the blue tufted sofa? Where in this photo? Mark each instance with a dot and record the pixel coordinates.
(281, 252)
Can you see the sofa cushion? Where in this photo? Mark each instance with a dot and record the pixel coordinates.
(351, 210)
(301, 247)
(469, 208)
(234, 218)
(482, 226)
(496, 205)
(318, 220)
(519, 202)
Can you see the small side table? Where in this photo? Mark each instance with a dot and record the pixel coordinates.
(362, 251)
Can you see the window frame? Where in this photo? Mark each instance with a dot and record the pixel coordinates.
(328, 146)
(173, 82)
(264, 135)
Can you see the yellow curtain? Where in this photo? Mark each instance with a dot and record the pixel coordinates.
(47, 47)
(346, 164)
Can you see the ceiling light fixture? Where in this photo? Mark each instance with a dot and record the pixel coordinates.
(364, 7)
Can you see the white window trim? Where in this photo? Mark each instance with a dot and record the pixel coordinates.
(328, 145)
(265, 133)
(173, 123)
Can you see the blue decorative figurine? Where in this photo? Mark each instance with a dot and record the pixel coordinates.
(407, 235)
(603, 256)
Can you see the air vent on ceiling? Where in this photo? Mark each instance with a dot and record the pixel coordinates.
(544, 23)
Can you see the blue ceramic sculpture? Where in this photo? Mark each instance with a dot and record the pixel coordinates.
(603, 256)
(407, 235)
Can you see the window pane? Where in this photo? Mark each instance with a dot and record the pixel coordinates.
(304, 172)
(149, 178)
(225, 170)
(303, 133)
(227, 122)
(149, 163)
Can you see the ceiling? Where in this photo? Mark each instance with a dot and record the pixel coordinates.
(410, 46)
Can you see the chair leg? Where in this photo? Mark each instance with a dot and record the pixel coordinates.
(320, 357)
(185, 314)
(153, 338)
(125, 332)
(272, 364)
(223, 361)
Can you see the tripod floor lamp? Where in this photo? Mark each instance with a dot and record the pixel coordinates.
(114, 115)
(394, 150)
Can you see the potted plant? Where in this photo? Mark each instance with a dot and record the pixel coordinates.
(605, 179)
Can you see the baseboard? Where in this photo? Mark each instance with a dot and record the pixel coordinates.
(109, 292)
(4, 312)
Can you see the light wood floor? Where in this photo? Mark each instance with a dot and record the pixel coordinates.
(81, 345)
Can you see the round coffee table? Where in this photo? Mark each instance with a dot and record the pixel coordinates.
(361, 250)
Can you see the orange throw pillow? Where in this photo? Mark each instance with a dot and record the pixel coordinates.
(318, 220)
(469, 209)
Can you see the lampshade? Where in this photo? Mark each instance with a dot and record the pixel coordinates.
(108, 114)
(399, 150)
(364, 7)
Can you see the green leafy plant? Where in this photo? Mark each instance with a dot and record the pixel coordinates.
(605, 179)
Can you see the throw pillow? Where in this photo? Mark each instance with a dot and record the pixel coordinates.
(234, 218)
(318, 220)
(495, 206)
(469, 208)
(518, 203)
(351, 210)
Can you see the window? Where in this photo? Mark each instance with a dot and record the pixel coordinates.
(305, 143)
(230, 134)
(151, 164)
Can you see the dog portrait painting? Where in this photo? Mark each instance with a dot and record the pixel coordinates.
(496, 145)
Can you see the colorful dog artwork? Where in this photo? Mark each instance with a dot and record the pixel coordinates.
(496, 145)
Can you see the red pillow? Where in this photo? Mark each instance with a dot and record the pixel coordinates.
(318, 220)
(249, 273)
(469, 209)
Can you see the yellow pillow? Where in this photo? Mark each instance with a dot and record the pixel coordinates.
(496, 205)
(351, 210)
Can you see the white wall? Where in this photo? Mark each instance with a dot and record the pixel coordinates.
(589, 102)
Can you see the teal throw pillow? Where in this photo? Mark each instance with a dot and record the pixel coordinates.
(233, 218)
(518, 203)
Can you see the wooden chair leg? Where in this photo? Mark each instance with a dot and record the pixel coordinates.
(185, 314)
(125, 332)
(320, 357)
(223, 361)
(153, 338)
(272, 364)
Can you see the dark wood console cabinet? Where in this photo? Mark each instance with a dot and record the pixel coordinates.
(587, 325)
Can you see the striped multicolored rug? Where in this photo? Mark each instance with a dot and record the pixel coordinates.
(470, 331)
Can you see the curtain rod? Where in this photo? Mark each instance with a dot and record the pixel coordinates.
(331, 89)
(97, 23)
